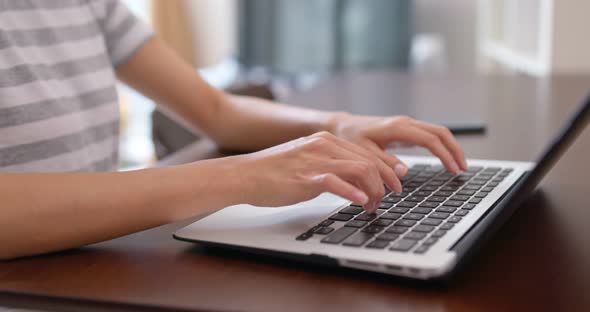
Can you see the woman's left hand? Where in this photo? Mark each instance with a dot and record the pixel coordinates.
(376, 133)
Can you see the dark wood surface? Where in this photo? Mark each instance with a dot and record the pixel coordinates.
(538, 261)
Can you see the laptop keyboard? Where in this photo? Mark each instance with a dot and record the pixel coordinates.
(431, 203)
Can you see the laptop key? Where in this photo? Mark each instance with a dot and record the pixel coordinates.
(474, 168)
(357, 239)
(447, 226)
(367, 217)
(435, 183)
(494, 184)
(430, 241)
(436, 199)
(323, 230)
(326, 222)
(405, 223)
(401, 210)
(385, 205)
(339, 235)
(409, 188)
(472, 187)
(446, 209)
(341, 217)
(390, 216)
(388, 236)
(420, 179)
(304, 236)
(392, 200)
(475, 200)
(421, 249)
(382, 222)
(431, 221)
(429, 188)
(415, 235)
(373, 229)
(462, 212)
(460, 198)
(439, 233)
(352, 210)
(423, 228)
(407, 204)
(439, 215)
(378, 244)
(356, 223)
(455, 219)
(403, 245)
(423, 193)
(397, 229)
(487, 189)
(429, 205)
(453, 203)
(413, 216)
(402, 194)
(421, 210)
(443, 193)
(449, 188)
(466, 192)
(468, 206)
(415, 198)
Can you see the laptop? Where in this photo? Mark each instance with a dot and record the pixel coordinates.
(426, 232)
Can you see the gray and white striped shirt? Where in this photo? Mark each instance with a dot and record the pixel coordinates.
(58, 101)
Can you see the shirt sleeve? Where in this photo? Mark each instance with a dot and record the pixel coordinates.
(123, 32)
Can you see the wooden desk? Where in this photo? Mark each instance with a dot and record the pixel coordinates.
(538, 261)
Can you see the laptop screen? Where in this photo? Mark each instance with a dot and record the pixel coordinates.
(560, 143)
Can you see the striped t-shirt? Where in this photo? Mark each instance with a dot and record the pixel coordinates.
(58, 100)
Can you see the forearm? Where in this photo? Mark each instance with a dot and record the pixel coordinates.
(248, 123)
(233, 122)
(48, 212)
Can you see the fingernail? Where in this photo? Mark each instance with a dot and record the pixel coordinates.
(400, 170)
(361, 197)
(455, 168)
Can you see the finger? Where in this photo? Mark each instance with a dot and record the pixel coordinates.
(355, 172)
(448, 140)
(331, 183)
(386, 171)
(360, 171)
(398, 166)
(430, 141)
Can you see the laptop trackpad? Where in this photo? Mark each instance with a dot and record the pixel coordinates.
(269, 220)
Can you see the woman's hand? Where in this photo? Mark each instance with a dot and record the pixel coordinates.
(350, 163)
(376, 133)
(302, 169)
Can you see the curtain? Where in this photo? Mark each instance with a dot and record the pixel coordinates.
(329, 35)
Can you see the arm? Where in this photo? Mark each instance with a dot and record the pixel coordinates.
(47, 212)
(242, 123)
(233, 122)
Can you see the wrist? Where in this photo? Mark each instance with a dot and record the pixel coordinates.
(203, 187)
(332, 121)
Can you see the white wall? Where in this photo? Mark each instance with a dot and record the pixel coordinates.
(455, 20)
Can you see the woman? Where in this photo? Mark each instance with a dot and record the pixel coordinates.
(59, 61)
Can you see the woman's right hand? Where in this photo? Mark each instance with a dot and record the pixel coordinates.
(302, 169)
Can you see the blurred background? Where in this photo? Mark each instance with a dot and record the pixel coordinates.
(273, 48)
